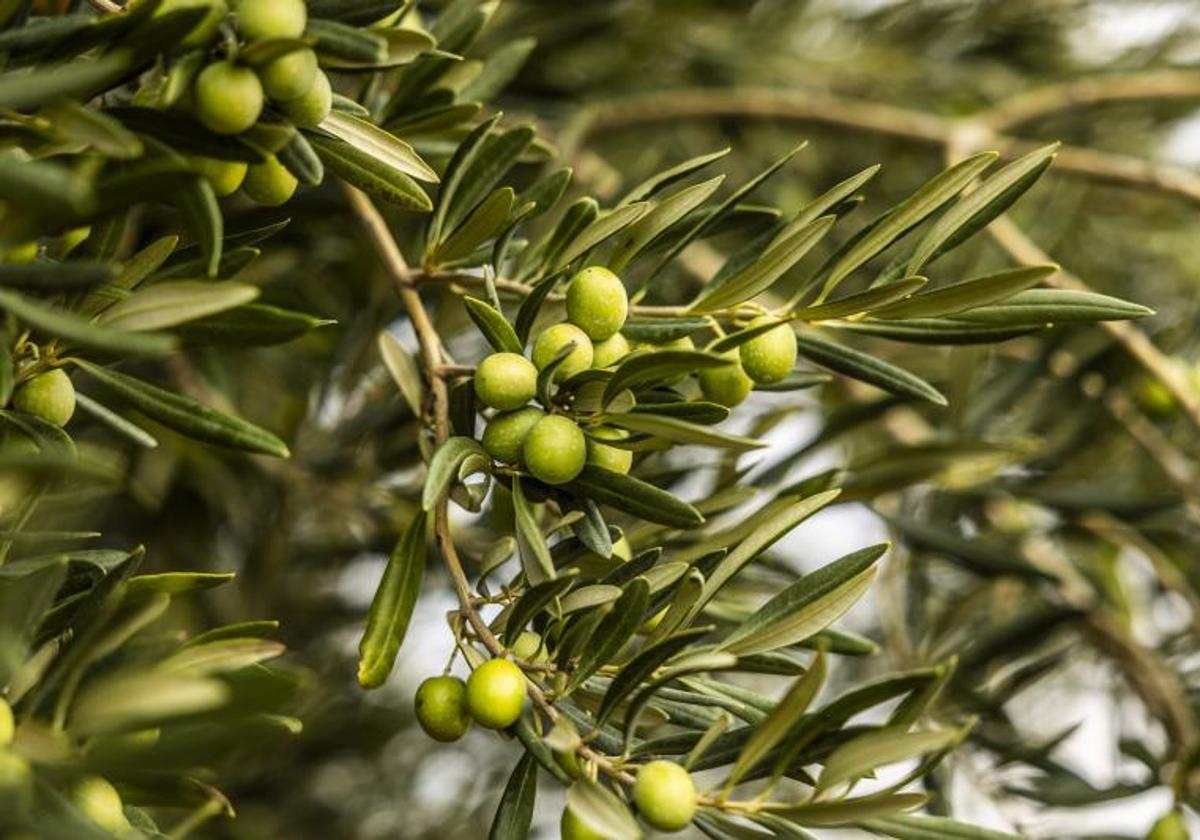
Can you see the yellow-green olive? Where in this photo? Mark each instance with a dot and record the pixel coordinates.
(441, 708)
(553, 340)
(665, 795)
(505, 381)
(49, 396)
(555, 449)
(496, 694)
(229, 97)
(225, 176)
(270, 183)
(771, 356)
(609, 351)
(259, 20)
(505, 433)
(289, 76)
(101, 803)
(310, 108)
(573, 828)
(597, 302)
(727, 385)
(602, 455)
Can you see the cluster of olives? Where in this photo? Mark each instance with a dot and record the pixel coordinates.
(552, 447)
(763, 360)
(229, 97)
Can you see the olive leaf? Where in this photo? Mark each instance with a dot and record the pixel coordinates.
(170, 304)
(66, 325)
(614, 631)
(535, 554)
(392, 607)
(444, 468)
(865, 368)
(601, 811)
(494, 326)
(515, 814)
(632, 495)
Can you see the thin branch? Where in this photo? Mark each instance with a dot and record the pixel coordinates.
(106, 6)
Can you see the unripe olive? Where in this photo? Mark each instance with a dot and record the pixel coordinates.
(229, 98)
(528, 646)
(225, 176)
(23, 253)
(553, 340)
(727, 385)
(259, 20)
(597, 302)
(203, 31)
(771, 356)
(310, 108)
(505, 433)
(49, 395)
(99, 800)
(441, 707)
(505, 381)
(609, 351)
(496, 694)
(8, 725)
(270, 183)
(554, 450)
(573, 828)
(1171, 826)
(665, 795)
(289, 76)
(608, 457)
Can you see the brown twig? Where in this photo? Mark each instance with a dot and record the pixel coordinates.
(106, 6)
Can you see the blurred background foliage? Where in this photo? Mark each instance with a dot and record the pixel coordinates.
(1045, 524)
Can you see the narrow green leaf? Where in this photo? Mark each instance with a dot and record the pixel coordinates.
(404, 370)
(661, 216)
(760, 274)
(849, 811)
(822, 204)
(974, 211)
(780, 721)
(186, 416)
(861, 755)
(634, 496)
(368, 174)
(198, 203)
(614, 631)
(667, 177)
(865, 301)
(978, 291)
(606, 225)
(494, 326)
(392, 607)
(251, 325)
(66, 325)
(641, 667)
(377, 143)
(937, 331)
(536, 598)
(1055, 306)
(906, 215)
(444, 469)
(500, 68)
(456, 170)
(169, 304)
(600, 810)
(515, 814)
(922, 827)
(681, 431)
(641, 368)
(807, 606)
(495, 157)
(535, 554)
(866, 368)
(482, 224)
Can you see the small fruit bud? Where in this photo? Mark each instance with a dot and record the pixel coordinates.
(49, 395)
(602, 455)
(441, 708)
(597, 302)
(229, 98)
(505, 381)
(665, 795)
(311, 107)
(727, 385)
(609, 351)
(553, 340)
(270, 183)
(289, 76)
(505, 433)
(771, 356)
(554, 450)
(496, 694)
(259, 20)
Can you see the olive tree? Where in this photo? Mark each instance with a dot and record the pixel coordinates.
(580, 368)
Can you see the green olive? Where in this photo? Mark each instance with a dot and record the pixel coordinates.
(727, 385)
(665, 795)
(496, 694)
(202, 33)
(771, 356)
(101, 803)
(310, 108)
(597, 302)
(225, 176)
(8, 725)
(505, 381)
(270, 183)
(553, 340)
(229, 98)
(289, 76)
(555, 449)
(505, 433)
(573, 828)
(1171, 826)
(441, 707)
(609, 351)
(602, 455)
(259, 20)
(49, 395)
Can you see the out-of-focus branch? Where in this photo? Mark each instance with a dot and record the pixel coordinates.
(106, 6)
(1054, 99)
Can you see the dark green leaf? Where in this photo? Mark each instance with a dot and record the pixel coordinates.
(865, 368)
(392, 607)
